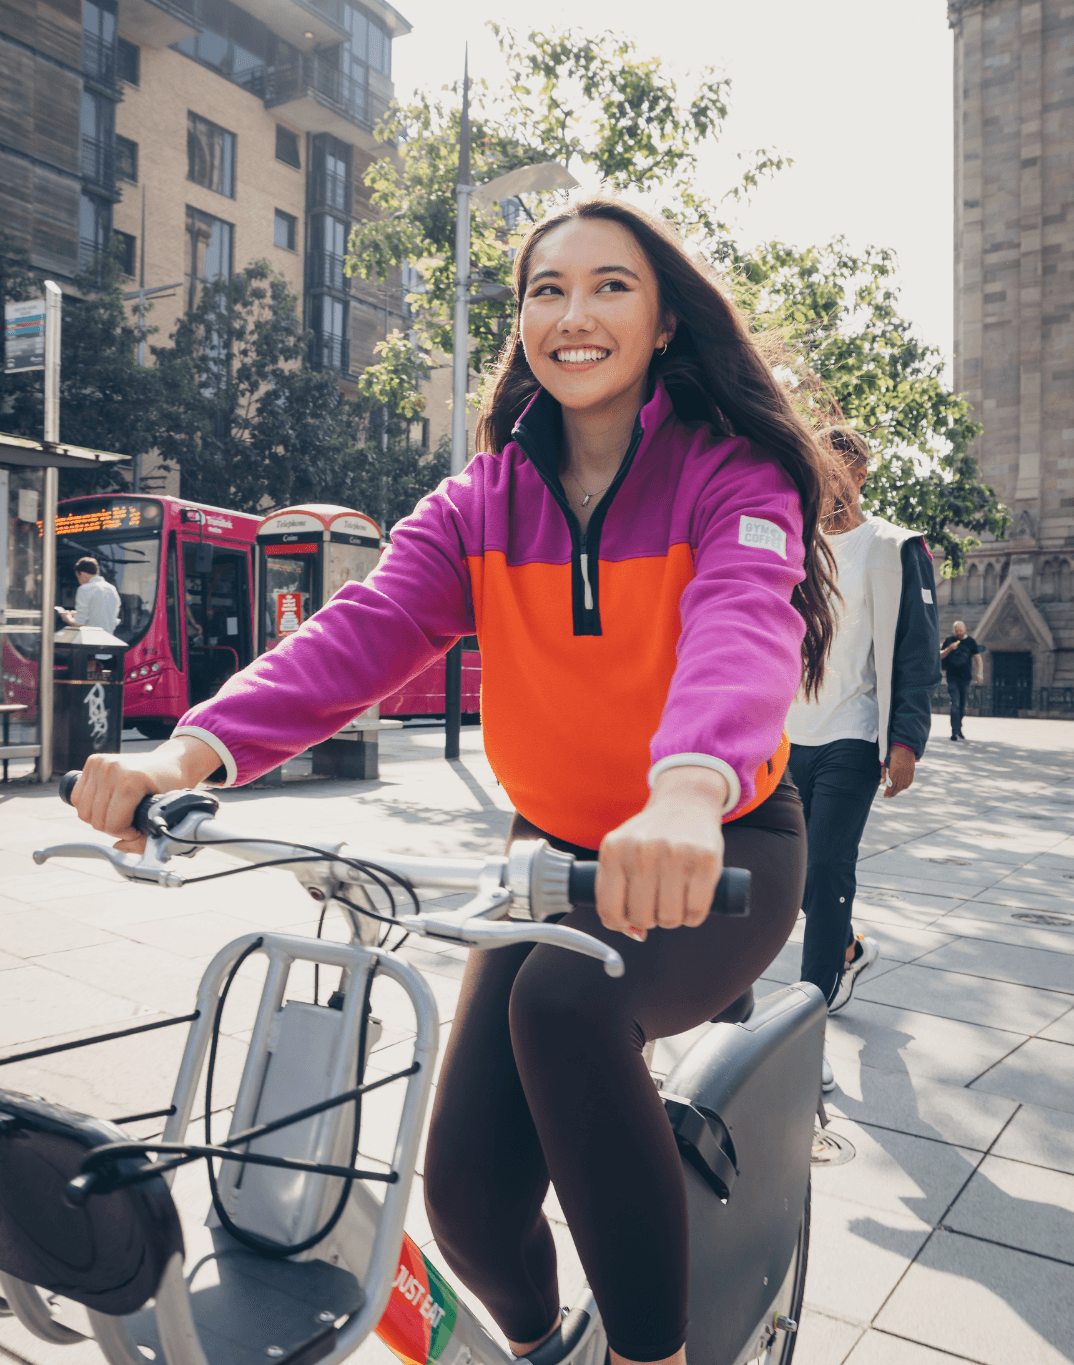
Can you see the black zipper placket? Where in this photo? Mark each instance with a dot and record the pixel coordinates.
(585, 545)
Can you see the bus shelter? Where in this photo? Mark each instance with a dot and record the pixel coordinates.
(28, 483)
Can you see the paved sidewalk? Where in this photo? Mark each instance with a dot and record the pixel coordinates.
(951, 1232)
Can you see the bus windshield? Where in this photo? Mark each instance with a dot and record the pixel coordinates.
(132, 565)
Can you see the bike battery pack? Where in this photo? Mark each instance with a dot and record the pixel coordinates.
(305, 1044)
(742, 1102)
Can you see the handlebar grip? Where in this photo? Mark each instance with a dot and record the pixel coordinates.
(732, 890)
(140, 821)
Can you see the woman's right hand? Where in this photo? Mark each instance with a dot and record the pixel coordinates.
(111, 785)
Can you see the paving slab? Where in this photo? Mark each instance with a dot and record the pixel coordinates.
(958, 995)
(884, 905)
(823, 1339)
(1062, 1031)
(881, 1348)
(902, 1103)
(879, 1246)
(946, 872)
(896, 1172)
(1042, 1137)
(1018, 1205)
(1039, 1072)
(1006, 962)
(984, 1303)
(1002, 925)
(892, 1039)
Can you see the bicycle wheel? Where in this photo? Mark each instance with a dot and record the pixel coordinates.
(791, 1295)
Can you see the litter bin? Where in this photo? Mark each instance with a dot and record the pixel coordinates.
(87, 696)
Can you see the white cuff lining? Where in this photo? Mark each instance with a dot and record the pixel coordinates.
(218, 747)
(717, 765)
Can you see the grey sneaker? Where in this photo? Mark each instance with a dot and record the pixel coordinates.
(827, 1078)
(866, 958)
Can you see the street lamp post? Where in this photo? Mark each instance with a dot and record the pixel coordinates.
(546, 175)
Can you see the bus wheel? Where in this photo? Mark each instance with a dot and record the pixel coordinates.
(155, 727)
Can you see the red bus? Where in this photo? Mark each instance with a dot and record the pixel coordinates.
(184, 572)
(424, 695)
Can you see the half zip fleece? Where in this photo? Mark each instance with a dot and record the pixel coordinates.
(539, 434)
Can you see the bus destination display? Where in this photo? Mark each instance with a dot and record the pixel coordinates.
(109, 516)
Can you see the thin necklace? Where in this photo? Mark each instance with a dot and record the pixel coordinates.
(586, 496)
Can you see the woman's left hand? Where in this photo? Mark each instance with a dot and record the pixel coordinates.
(660, 868)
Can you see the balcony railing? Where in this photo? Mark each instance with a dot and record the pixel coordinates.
(98, 60)
(99, 163)
(330, 190)
(326, 271)
(310, 75)
(330, 353)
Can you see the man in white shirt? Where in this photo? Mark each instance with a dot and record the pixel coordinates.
(96, 601)
(871, 719)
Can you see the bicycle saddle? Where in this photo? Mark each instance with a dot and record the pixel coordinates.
(110, 1253)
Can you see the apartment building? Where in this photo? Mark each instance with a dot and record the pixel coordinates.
(201, 135)
(1014, 332)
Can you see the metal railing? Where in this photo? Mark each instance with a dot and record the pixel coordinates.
(98, 59)
(330, 353)
(1006, 699)
(310, 75)
(326, 271)
(99, 162)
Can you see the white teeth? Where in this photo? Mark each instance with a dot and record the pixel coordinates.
(582, 355)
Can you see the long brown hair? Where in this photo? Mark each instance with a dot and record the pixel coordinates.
(714, 373)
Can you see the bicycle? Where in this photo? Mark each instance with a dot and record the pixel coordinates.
(298, 1261)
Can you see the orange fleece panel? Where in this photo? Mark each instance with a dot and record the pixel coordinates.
(568, 718)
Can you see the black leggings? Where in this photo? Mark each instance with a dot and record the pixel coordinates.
(543, 1078)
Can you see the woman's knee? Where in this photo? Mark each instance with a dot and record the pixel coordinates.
(555, 1002)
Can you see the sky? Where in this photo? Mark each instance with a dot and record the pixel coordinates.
(857, 92)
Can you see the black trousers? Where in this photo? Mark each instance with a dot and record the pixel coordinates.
(958, 690)
(837, 783)
(543, 1078)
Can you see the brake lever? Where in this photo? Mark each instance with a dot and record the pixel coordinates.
(148, 868)
(474, 931)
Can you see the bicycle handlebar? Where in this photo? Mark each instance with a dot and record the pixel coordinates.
(533, 885)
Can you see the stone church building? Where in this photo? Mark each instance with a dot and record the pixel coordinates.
(1014, 334)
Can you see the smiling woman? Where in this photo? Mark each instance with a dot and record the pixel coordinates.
(636, 551)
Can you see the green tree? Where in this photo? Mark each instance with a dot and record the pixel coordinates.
(567, 97)
(249, 425)
(105, 397)
(240, 415)
(854, 359)
(393, 472)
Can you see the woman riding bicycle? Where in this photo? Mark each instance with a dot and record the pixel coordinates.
(637, 555)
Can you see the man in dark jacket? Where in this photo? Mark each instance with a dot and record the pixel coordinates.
(961, 657)
(871, 720)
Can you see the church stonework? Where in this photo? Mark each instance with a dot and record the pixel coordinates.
(1014, 326)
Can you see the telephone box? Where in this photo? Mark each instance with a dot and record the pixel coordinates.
(305, 555)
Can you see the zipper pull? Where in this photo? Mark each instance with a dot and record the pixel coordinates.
(583, 559)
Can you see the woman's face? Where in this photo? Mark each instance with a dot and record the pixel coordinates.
(591, 316)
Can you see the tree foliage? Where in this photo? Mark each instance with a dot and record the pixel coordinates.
(250, 426)
(832, 314)
(105, 397)
(570, 98)
(856, 360)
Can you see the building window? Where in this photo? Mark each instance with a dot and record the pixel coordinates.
(127, 56)
(331, 173)
(287, 147)
(327, 248)
(237, 45)
(94, 228)
(99, 41)
(210, 155)
(127, 159)
(208, 251)
(283, 232)
(98, 140)
(369, 45)
(329, 325)
(123, 244)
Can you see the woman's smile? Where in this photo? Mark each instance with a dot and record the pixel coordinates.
(577, 356)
